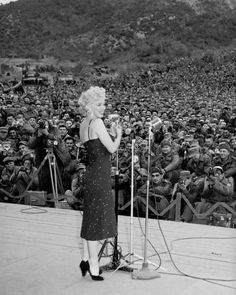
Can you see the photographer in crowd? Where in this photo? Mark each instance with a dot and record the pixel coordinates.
(189, 112)
(191, 188)
(217, 188)
(46, 141)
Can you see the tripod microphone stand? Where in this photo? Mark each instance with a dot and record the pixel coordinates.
(115, 264)
(132, 200)
(145, 273)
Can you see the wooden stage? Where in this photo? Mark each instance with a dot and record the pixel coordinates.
(40, 254)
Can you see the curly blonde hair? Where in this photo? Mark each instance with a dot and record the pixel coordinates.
(91, 96)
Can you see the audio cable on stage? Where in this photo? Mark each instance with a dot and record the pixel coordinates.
(215, 281)
(36, 210)
(209, 280)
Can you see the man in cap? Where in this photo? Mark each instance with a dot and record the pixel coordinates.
(159, 191)
(23, 148)
(6, 182)
(198, 162)
(191, 188)
(24, 129)
(3, 133)
(185, 140)
(6, 150)
(217, 188)
(168, 160)
(143, 153)
(225, 160)
(233, 146)
(45, 143)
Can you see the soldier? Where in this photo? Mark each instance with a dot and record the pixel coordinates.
(191, 187)
(168, 160)
(71, 147)
(160, 191)
(6, 182)
(226, 160)
(25, 175)
(233, 146)
(198, 162)
(217, 188)
(75, 195)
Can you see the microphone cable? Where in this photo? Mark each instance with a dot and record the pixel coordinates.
(180, 272)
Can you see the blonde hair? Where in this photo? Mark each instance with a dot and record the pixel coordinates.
(91, 96)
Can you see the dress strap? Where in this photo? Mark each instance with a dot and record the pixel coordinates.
(89, 128)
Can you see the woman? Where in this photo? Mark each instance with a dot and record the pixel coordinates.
(99, 220)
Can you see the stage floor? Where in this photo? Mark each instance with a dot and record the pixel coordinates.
(40, 254)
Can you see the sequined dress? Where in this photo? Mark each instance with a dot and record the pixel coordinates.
(99, 220)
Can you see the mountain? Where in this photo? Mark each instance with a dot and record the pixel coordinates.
(115, 31)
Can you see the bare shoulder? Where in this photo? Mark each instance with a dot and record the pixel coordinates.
(83, 130)
(98, 121)
(98, 124)
(83, 125)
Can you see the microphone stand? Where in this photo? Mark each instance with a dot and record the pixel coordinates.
(115, 264)
(145, 273)
(115, 257)
(132, 201)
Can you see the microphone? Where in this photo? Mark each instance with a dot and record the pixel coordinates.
(155, 123)
(113, 117)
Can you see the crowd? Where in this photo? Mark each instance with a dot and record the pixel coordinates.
(192, 152)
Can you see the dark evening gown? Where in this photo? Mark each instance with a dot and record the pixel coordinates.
(99, 220)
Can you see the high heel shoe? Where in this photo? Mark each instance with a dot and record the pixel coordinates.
(84, 266)
(95, 278)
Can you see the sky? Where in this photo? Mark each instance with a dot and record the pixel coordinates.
(6, 1)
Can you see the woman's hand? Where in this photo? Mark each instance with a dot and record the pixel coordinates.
(112, 130)
(118, 130)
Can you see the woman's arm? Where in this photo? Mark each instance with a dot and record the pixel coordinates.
(104, 136)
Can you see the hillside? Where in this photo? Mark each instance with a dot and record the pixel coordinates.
(115, 31)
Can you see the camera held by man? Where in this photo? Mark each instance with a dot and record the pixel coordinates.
(218, 188)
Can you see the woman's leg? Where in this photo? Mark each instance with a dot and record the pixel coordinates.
(93, 257)
(85, 254)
